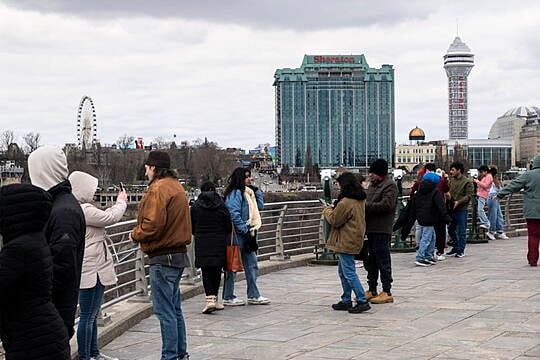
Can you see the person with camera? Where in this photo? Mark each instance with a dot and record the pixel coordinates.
(98, 266)
(348, 225)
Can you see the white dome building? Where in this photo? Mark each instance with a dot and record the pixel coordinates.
(508, 126)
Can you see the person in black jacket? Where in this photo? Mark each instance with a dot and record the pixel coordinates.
(210, 223)
(30, 326)
(65, 230)
(428, 208)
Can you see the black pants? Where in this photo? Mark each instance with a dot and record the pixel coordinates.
(379, 261)
(440, 236)
(211, 277)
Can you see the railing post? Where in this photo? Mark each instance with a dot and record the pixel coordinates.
(140, 275)
(507, 224)
(280, 249)
(191, 276)
(103, 319)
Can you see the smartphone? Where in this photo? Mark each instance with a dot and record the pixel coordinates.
(324, 202)
(122, 188)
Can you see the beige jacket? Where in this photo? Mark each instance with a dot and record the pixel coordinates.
(98, 260)
(348, 226)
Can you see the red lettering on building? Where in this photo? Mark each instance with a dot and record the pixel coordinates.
(333, 60)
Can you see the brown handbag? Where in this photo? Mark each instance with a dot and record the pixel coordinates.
(234, 255)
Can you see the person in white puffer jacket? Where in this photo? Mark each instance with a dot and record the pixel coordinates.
(98, 266)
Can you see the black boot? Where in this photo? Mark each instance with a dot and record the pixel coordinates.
(359, 307)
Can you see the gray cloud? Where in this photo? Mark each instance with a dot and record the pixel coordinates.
(299, 15)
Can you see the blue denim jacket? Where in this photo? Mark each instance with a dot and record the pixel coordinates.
(239, 210)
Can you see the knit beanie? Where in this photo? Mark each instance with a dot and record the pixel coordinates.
(379, 167)
(433, 177)
(47, 167)
(159, 159)
(83, 186)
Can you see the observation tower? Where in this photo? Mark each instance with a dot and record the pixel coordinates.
(458, 62)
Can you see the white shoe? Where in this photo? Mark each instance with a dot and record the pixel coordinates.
(259, 301)
(358, 264)
(234, 302)
(440, 257)
(502, 236)
(484, 226)
(103, 357)
(490, 235)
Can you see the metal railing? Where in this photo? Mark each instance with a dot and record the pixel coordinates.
(288, 228)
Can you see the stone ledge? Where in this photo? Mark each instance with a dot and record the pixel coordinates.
(128, 313)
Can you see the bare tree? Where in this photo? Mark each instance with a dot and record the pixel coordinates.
(124, 142)
(6, 138)
(32, 141)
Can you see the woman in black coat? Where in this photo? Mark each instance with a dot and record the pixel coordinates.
(210, 223)
(30, 326)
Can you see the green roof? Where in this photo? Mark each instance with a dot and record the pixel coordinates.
(327, 62)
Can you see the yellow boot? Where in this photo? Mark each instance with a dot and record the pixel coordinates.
(382, 298)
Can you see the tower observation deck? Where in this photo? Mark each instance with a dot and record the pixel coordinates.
(458, 62)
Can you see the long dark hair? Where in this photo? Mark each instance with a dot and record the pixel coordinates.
(493, 172)
(161, 173)
(237, 180)
(351, 187)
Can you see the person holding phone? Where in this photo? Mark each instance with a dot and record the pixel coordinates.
(98, 266)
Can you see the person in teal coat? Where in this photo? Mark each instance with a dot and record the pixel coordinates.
(530, 183)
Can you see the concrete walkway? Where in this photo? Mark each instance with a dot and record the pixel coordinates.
(483, 306)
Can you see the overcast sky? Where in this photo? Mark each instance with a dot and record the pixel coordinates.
(205, 68)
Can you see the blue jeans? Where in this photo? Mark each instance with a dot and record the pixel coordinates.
(458, 230)
(349, 279)
(90, 303)
(426, 244)
(249, 260)
(496, 219)
(166, 299)
(482, 217)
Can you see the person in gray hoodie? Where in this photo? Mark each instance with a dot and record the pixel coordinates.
(530, 183)
(65, 229)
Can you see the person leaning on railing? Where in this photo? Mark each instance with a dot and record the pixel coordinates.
(30, 325)
(529, 181)
(98, 267)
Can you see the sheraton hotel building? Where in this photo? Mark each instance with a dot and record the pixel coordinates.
(335, 109)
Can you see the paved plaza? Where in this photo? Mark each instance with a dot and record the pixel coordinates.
(483, 306)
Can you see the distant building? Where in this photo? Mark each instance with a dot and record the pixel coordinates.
(484, 152)
(529, 140)
(458, 62)
(336, 108)
(508, 127)
(414, 156)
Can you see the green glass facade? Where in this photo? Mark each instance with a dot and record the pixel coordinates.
(338, 109)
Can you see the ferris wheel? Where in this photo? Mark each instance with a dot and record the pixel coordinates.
(86, 123)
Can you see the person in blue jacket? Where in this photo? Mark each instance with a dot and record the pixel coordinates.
(244, 202)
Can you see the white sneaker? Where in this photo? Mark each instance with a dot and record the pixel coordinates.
(261, 300)
(441, 257)
(502, 236)
(484, 226)
(103, 357)
(490, 235)
(234, 302)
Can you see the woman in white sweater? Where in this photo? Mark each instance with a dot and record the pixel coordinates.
(98, 266)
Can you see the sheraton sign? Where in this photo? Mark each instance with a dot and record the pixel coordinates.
(333, 60)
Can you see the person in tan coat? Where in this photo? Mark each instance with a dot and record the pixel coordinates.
(347, 219)
(163, 231)
(98, 266)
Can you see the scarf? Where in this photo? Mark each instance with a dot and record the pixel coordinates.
(254, 220)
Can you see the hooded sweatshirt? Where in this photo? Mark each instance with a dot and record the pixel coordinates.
(529, 181)
(428, 205)
(47, 166)
(65, 229)
(98, 260)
